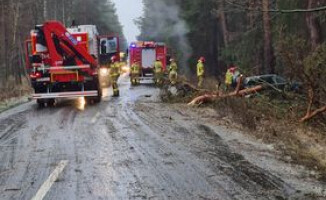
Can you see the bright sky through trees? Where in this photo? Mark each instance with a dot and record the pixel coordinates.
(128, 11)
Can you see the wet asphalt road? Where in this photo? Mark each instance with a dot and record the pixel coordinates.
(131, 147)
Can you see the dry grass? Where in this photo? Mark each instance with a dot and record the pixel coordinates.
(274, 118)
(277, 122)
(10, 89)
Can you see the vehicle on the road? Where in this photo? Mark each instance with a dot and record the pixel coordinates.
(64, 63)
(146, 53)
(271, 81)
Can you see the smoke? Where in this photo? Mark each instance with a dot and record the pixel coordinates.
(165, 24)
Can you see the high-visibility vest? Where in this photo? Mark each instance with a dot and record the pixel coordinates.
(200, 69)
(173, 67)
(158, 66)
(228, 77)
(115, 69)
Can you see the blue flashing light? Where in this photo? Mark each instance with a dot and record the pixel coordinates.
(133, 45)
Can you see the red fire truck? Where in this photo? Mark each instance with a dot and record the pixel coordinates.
(65, 62)
(146, 53)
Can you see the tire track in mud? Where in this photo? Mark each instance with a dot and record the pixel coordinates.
(255, 180)
(178, 175)
(9, 131)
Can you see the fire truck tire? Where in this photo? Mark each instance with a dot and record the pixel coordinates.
(40, 103)
(51, 102)
(98, 98)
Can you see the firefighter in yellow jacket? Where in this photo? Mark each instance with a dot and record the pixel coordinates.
(201, 71)
(134, 73)
(114, 75)
(158, 71)
(173, 72)
(228, 79)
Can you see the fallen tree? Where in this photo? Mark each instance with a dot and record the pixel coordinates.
(210, 97)
(206, 98)
(310, 114)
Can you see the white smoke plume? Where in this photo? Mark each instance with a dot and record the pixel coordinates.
(165, 24)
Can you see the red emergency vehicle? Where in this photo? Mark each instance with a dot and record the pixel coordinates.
(65, 62)
(146, 53)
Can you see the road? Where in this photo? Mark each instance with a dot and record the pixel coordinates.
(135, 147)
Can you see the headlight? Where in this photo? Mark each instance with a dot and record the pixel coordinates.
(104, 71)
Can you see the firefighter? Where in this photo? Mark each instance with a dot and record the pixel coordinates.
(228, 79)
(114, 75)
(158, 71)
(173, 71)
(134, 73)
(122, 63)
(201, 71)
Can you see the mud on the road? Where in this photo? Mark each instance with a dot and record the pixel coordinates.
(135, 147)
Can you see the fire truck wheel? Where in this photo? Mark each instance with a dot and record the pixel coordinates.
(51, 102)
(40, 103)
(98, 99)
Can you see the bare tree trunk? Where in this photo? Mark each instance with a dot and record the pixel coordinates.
(6, 42)
(250, 15)
(63, 13)
(269, 61)
(313, 25)
(222, 18)
(2, 41)
(45, 9)
(56, 10)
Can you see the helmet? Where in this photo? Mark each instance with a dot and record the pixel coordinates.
(172, 60)
(113, 58)
(233, 69)
(202, 59)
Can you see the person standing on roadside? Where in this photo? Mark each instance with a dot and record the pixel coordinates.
(135, 72)
(173, 72)
(114, 75)
(201, 71)
(158, 71)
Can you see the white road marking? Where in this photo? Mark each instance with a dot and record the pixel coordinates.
(94, 119)
(49, 182)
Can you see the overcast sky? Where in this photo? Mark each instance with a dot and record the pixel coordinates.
(128, 10)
